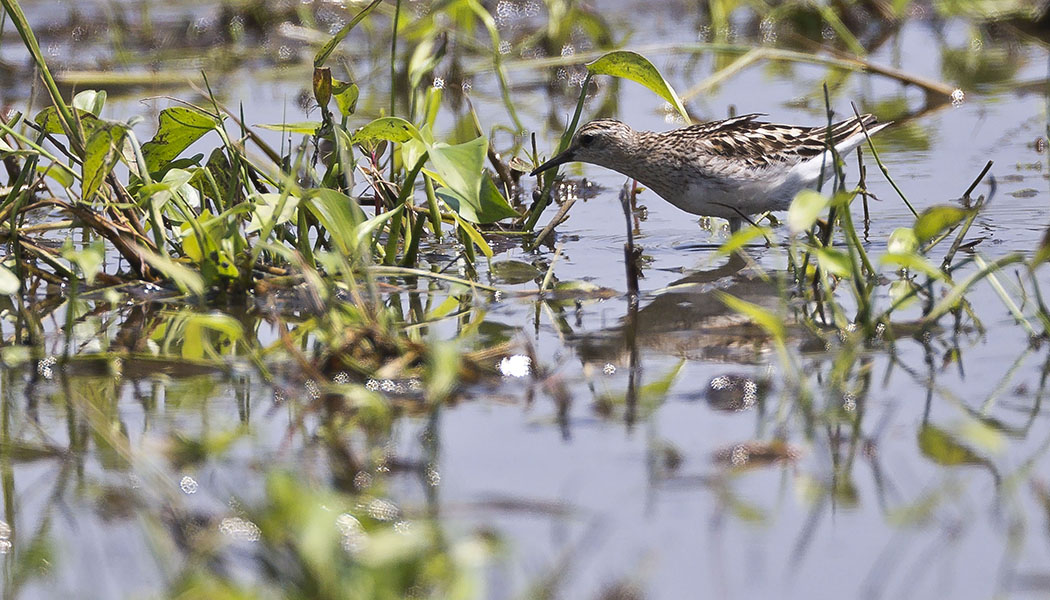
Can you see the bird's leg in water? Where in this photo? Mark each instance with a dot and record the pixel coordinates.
(630, 253)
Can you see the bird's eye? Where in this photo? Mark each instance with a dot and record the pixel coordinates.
(586, 139)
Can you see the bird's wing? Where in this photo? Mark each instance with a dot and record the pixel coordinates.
(758, 144)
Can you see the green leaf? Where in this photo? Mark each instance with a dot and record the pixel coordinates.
(835, 262)
(742, 238)
(339, 214)
(936, 219)
(460, 167)
(631, 65)
(91, 101)
(807, 206)
(940, 447)
(391, 129)
(913, 262)
(179, 126)
(183, 277)
(468, 190)
(488, 208)
(265, 205)
(88, 259)
(302, 127)
(762, 317)
(513, 272)
(49, 121)
(902, 241)
(101, 153)
(474, 235)
(194, 343)
(9, 283)
(326, 50)
(346, 95)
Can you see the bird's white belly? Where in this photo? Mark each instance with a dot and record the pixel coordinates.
(732, 197)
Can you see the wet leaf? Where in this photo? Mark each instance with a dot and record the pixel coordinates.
(936, 219)
(631, 65)
(902, 291)
(940, 447)
(179, 126)
(474, 235)
(805, 209)
(391, 129)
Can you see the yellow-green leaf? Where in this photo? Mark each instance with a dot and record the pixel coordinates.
(936, 219)
(807, 206)
(631, 65)
(391, 129)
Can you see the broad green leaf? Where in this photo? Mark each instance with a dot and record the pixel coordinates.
(489, 207)
(264, 207)
(943, 449)
(91, 101)
(807, 206)
(9, 283)
(391, 129)
(835, 262)
(179, 126)
(302, 127)
(101, 153)
(346, 95)
(936, 219)
(902, 241)
(49, 121)
(329, 47)
(631, 65)
(762, 317)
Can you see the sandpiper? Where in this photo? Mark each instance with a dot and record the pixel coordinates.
(730, 169)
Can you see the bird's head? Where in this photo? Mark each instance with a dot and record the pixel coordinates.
(602, 142)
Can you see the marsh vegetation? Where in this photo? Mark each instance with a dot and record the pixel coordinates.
(284, 315)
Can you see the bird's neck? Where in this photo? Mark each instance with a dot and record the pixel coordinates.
(632, 155)
(639, 157)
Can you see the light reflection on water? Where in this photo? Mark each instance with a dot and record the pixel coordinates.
(914, 473)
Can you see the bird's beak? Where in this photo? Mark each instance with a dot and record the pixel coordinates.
(562, 158)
